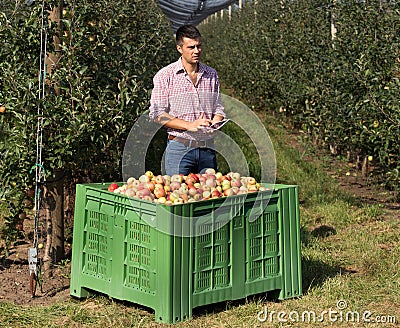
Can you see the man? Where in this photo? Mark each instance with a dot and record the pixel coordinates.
(186, 99)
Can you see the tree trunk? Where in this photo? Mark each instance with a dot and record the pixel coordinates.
(54, 200)
(54, 194)
(365, 167)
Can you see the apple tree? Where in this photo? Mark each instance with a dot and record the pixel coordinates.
(97, 74)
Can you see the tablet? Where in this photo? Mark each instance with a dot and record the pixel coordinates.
(220, 124)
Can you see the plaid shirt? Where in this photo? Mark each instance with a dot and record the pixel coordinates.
(175, 93)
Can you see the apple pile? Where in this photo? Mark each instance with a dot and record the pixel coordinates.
(179, 188)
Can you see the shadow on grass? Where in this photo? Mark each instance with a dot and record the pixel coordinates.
(316, 272)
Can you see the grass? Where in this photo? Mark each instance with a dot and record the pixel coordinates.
(350, 255)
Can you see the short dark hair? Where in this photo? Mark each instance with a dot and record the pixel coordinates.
(186, 31)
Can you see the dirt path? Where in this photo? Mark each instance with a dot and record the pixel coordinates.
(15, 277)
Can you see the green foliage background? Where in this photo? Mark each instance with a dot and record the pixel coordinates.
(100, 83)
(278, 56)
(343, 92)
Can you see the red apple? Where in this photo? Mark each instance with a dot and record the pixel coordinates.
(159, 185)
(194, 176)
(159, 192)
(141, 186)
(159, 179)
(190, 180)
(112, 187)
(175, 185)
(215, 194)
(192, 191)
(228, 192)
(236, 183)
(150, 185)
(146, 192)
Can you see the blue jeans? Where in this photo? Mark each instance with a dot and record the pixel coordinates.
(180, 159)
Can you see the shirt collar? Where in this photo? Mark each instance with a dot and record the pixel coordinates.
(180, 69)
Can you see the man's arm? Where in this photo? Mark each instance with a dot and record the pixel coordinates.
(177, 123)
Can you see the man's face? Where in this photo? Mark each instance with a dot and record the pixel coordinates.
(190, 50)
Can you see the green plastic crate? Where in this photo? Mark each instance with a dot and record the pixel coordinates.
(242, 245)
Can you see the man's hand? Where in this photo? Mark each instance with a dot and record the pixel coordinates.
(217, 118)
(177, 123)
(199, 124)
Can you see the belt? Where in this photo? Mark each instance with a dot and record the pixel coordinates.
(193, 143)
